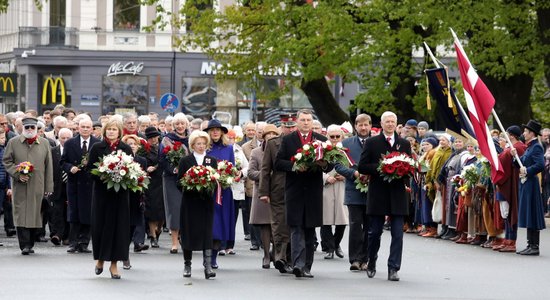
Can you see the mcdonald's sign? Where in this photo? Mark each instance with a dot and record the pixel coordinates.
(8, 84)
(53, 83)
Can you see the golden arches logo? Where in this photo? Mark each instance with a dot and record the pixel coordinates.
(5, 81)
(53, 83)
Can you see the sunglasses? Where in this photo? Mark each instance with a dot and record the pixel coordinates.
(30, 127)
(4, 123)
(334, 136)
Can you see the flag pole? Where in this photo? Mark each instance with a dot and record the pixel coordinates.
(506, 136)
(436, 63)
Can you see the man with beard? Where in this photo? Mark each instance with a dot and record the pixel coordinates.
(28, 190)
(272, 191)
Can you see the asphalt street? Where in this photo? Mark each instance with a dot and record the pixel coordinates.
(431, 269)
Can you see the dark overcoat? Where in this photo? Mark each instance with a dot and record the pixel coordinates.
(154, 197)
(352, 195)
(303, 190)
(384, 198)
(531, 210)
(136, 209)
(110, 211)
(79, 185)
(197, 209)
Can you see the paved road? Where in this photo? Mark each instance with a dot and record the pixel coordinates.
(432, 269)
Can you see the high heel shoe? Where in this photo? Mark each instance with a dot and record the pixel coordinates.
(266, 263)
(114, 276)
(98, 270)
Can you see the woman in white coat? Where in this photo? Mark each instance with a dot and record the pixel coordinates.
(334, 212)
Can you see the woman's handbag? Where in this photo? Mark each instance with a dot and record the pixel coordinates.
(437, 208)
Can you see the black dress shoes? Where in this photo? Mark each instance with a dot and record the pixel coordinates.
(531, 251)
(10, 232)
(254, 247)
(307, 274)
(330, 255)
(140, 247)
(297, 272)
(371, 269)
(98, 270)
(84, 249)
(25, 251)
(339, 252)
(280, 265)
(41, 239)
(55, 240)
(72, 249)
(154, 243)
(392, 275)
(524, 250)
(187, 271)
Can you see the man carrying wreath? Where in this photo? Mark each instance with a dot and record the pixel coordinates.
(29, 189)
(385, 198)
(303, 193)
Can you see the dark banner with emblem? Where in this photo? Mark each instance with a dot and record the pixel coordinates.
(8, 84)
(452, 117)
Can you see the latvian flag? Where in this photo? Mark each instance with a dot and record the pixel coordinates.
(480, 103)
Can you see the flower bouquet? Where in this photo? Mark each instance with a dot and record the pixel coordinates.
(306, 156)
(228, 173)
(174, 153)
(200, 178)
(24, 168)
(396, 165)
(336, 153)
(118, 170)
(144, 148)
(83, 161)
(362, 183)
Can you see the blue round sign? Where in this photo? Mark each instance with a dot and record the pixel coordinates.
(169, 102)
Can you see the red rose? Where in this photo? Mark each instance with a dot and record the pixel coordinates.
(292, 159)
(329, 147)
(140, 179)
(112, 166)
(299, 150)
(389, 169)
(165, 150)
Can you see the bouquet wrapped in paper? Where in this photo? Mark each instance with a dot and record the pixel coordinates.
(24, 168)
(227, 173)
(308, 154)
(118, 170)
(336, 153)
(200, 178)
(396, 165)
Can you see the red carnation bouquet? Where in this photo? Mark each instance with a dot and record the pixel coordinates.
(396, 165)
(228, 173)
(200, 178)
(144, 148)
(174, 153)
(362, 183)
(25, 168)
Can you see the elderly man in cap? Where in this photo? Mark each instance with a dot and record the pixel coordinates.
(30, 188)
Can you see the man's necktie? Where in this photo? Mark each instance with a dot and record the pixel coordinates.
(363, 143)
(63, 176)
(388, 139)
(84, 147)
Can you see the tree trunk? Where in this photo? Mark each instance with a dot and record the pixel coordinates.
(323, 102)
(512, 98)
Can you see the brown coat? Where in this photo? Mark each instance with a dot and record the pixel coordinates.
(247, 149)
(27, 197)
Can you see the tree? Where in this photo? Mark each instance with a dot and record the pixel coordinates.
(4, 4)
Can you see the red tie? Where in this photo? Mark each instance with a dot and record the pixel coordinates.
(389, 140)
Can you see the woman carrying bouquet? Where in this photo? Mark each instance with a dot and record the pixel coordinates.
(110, 209)
(172, 148)
(224, 215)
(197, 207)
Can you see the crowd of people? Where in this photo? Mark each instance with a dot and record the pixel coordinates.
(281, 204)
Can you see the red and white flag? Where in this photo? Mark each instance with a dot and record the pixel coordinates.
(480, 103)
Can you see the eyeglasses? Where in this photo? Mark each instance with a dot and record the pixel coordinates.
(30, 127)
(4, 123)
(334, 136)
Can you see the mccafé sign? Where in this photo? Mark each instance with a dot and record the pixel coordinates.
(8, 84)
(52, 85)
(129, 68)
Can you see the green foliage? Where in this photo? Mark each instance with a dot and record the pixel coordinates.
(4, 4)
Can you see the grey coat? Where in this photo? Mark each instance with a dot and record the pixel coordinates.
(27, 197)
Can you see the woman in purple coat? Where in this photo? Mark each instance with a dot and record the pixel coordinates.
(224, 215)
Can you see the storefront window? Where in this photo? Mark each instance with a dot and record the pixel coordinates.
(199, 96)
(124, 92)
(126, 15)
(56, 89)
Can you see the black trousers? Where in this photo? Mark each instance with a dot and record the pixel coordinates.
(56, 217)
(8, 215)
(332, 240)
(302, 242)
(358, 234)
(376, 224)
(79, 234)
(26, 237)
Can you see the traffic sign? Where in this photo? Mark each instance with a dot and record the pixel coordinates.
(169, 102)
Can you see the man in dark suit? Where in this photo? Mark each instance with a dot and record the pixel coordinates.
(303, 194)
(79, 187)
(385, 198)
(355, 200)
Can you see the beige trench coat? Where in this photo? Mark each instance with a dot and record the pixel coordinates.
(334, 211)
(27, 197)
